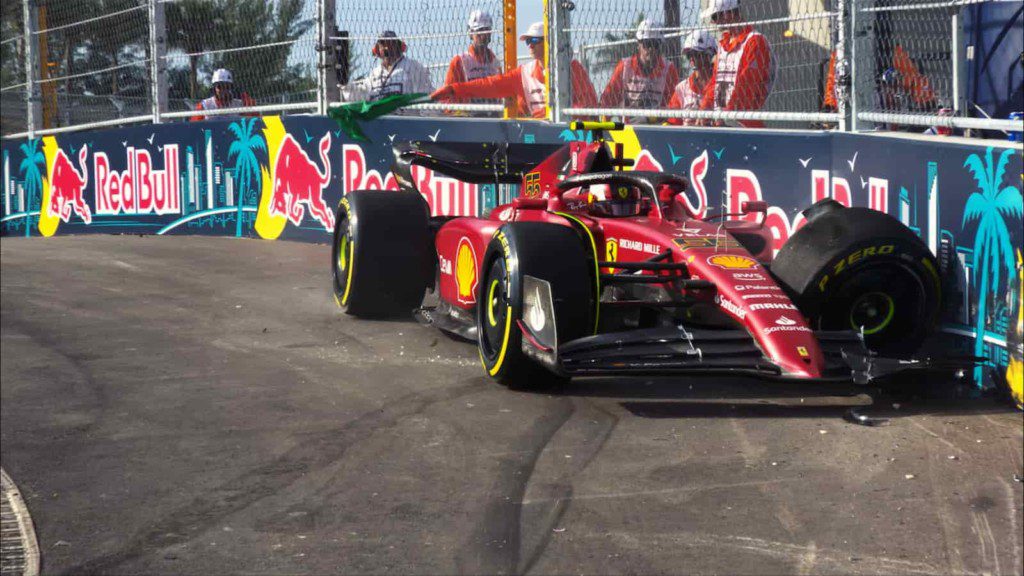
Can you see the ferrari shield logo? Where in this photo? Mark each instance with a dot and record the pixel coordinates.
(611, 252)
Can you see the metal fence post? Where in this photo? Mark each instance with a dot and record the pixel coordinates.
(958, 55)
(854, 37)
(158, 59)
(33, 110)
(559, 57)
(325, 87)
(842, 62)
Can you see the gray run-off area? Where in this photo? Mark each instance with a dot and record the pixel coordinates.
(199, 405)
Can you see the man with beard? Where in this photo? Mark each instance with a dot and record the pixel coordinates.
(395, 74)
(644, 80)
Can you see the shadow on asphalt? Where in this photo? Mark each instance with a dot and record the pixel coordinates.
(738, 397)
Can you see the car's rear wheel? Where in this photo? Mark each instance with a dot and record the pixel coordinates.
(382, 257)
(547, 252)
(860, 269)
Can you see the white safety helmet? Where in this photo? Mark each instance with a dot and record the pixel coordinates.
(700, 41)
(536, 30)
(716, 6)
(222, 75)
(480, 21)
(649, 31)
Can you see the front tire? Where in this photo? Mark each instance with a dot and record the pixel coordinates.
(860, 269)
(549, 252)
(382, 257)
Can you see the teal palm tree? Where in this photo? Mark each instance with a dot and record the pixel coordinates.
(247, 165)
(991, 206)
(568, 135)
(30, 168)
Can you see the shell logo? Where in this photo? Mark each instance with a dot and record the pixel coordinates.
(732, 262)
(465, 272)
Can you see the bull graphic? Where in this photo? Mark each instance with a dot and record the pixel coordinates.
(298, 181)
(66, 186)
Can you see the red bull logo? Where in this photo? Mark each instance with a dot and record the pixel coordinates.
(66, 186)
(299, 183)
(139, 188)
(445, 196)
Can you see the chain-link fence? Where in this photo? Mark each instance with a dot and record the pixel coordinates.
(765, 60)
(13, 106)
(93, 58)
(269, 48)
(69, 64)
(452, 40)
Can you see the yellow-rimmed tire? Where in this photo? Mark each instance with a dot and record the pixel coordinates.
(863, 270)
(548, 252)
(382, 257)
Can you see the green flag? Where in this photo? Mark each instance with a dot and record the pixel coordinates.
(349, 115)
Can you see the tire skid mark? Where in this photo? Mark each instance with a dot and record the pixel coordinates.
(604, 422)
(77, 362)
(783, 514)
(493, 546)
(828, 560)
(315, 451)
(954, 558)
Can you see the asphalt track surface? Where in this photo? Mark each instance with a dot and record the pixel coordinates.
(199, 405)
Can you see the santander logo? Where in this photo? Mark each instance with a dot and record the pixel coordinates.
(783, 321)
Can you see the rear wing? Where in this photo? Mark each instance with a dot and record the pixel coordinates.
(471, 162)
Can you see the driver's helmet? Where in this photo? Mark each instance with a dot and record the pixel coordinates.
(615, 200)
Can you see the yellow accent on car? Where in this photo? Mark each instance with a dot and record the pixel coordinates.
(491, 302)
(597, 272)
(588, 125)
(504, 345)
(348, 271)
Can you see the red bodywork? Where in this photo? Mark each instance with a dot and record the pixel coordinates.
(745, 290)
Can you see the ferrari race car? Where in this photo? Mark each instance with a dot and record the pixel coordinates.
(596, 270)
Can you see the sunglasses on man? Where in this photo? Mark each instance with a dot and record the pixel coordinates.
(534, 40)
(651, 44)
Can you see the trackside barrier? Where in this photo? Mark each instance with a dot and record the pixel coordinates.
(282, 177)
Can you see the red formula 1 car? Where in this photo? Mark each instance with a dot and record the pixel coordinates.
(596, 270)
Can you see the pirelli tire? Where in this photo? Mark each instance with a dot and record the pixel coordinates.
(860, 269)
(382, 257)
(548, 252)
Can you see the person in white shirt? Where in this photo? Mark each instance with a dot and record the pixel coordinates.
(394, 74)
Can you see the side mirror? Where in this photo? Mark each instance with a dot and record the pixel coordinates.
(754, 206)
(522, 203)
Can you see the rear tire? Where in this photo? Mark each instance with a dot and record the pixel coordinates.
(860, 269)
(382, 257)
(548, 252)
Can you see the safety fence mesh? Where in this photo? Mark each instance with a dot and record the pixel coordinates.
(777, 61)
(93, 60)
(430, 33)
(270, 48)
(894, 64)
(906, 59)
(13, 106)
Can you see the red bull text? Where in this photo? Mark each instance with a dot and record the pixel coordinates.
(141, 188)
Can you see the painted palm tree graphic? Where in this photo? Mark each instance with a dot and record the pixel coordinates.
(30, 168)
(991, 206)
(247, 165)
